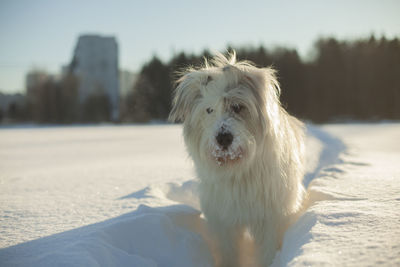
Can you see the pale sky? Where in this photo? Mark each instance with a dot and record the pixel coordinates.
(43, 33)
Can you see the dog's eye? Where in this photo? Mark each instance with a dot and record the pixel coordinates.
(236, 108)
(209, 110)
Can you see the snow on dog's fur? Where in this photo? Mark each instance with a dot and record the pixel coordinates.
(247, 151)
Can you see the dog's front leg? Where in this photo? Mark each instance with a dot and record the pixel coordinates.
(265, 236)
(227, 238)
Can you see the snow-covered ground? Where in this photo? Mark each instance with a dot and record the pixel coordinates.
(126, 196)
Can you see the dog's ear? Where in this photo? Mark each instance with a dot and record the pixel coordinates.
(265, 82)
(265, 87)
(185, 95)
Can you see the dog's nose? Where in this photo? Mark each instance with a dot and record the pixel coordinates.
(224, 139)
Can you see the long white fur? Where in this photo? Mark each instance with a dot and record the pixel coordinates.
(257, 186)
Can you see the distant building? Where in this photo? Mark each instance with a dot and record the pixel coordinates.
(6, 100)
(95, 63)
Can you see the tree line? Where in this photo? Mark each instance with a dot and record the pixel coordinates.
(344, 80)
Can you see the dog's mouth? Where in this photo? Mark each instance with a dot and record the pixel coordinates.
(224, 156)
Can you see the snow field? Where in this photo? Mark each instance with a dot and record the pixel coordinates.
(354, 215)
(124, 196)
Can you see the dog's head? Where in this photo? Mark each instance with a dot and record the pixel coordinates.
(228, 108)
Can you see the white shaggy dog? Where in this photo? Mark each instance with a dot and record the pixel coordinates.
(247, 151)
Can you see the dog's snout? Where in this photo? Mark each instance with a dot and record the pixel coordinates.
(224, 139)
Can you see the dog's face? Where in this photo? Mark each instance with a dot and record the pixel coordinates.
(226, 110)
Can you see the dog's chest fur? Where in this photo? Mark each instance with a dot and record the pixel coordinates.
(237, 199)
